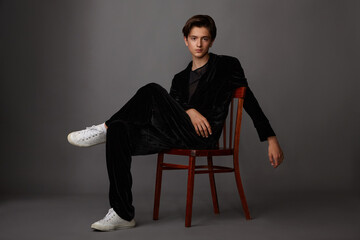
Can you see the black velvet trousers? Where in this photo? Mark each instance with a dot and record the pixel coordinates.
(151, 121)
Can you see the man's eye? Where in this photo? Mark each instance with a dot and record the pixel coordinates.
(206, 39)
(192, 38)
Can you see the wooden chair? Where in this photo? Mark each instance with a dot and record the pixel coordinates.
(230, 149)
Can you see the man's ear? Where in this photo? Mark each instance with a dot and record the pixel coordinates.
(186, 41)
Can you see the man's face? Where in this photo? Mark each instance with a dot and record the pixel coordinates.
(198, 41)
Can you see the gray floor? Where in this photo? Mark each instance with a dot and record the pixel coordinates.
(300, 216)
(277, 216)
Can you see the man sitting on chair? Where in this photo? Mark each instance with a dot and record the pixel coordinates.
(191, 116)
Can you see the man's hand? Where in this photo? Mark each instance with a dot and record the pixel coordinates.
(276, 155)
(201, 125)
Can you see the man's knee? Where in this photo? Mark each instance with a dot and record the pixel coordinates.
(152, 88)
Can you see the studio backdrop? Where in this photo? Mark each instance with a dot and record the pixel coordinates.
(66, 65)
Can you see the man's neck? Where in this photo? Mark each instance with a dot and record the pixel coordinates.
(199, 62)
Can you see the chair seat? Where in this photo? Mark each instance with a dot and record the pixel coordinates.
(201, 152)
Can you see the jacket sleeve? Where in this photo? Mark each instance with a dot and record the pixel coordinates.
(258, 117)
(179, 95)
(251, 105)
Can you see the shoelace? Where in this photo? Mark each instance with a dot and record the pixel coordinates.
(109, 212)
(89, 131)
(108, 215)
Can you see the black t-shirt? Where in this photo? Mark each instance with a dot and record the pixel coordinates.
(194, 79)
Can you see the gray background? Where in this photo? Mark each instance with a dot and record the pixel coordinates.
(66, 65)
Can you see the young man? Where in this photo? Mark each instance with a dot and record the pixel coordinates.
(191, 116)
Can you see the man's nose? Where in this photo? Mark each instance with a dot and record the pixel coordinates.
(198, 43)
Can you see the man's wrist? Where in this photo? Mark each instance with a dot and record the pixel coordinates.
(272, 139)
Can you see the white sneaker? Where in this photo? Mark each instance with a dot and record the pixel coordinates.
(112, 222)
(90, 136)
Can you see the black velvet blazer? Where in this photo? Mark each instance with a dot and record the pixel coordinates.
(214, 91)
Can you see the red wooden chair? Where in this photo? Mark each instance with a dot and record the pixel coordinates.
(230, 149)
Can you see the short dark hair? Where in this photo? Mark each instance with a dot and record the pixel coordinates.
(200, 21)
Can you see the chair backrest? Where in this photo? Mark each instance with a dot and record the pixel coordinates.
(232, 141)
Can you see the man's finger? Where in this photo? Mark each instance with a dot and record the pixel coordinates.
(197, 130)
(276, 163)
(205, 130)
(277, 160)
(201, 130)
(271, 160)
(208, 126)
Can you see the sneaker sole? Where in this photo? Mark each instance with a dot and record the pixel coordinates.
(77, 145)
(102, 229)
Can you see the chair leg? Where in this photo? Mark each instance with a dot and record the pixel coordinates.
(190, 191)
(212, 185)
(241, 189)
(158, 186)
